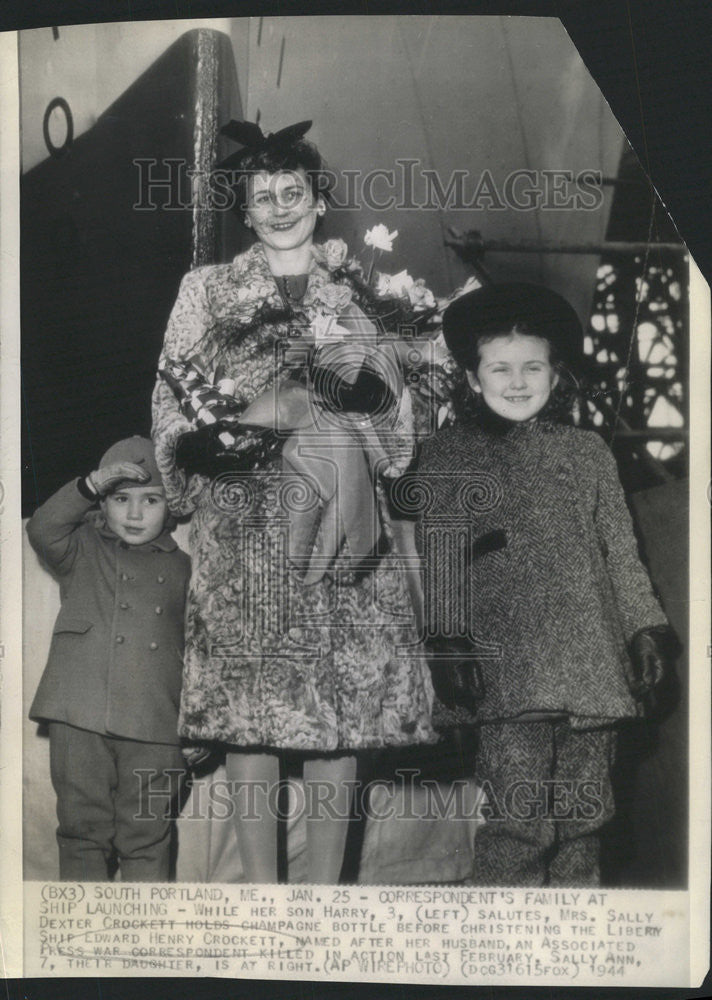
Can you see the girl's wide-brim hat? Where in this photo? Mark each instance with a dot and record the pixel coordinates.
(498, 309)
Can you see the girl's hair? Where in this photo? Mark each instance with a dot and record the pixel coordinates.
(470, 405)
(299, 155)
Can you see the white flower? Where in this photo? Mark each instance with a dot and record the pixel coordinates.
(379, 238)
(445, 412)
(333, 253)
(421, 298)
(401, 284)
(383, 285)
(335, 298)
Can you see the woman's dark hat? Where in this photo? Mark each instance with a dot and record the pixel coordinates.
(253, 140)
(498, 309)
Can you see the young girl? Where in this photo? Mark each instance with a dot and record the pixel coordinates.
(564, 632)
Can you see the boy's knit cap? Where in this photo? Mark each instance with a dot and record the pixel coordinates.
(138, 450)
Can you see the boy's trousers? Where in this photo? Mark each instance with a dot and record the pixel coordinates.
(549, 791)
(113, 795)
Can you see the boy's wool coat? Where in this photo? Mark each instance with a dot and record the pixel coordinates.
(116, 659)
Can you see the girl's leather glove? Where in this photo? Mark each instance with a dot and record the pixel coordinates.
(456, 674)
(653, 652)
(651, 675)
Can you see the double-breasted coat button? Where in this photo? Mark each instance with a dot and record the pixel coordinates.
(124, 576)
(119, 639)
(124, 606)
(153, 645)
(161, 579)
(159, 609)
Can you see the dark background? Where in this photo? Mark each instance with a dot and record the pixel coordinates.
(652, 62)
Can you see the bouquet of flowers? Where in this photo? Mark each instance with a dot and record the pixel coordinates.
(408, 312)
(398, 302)
(358, 383)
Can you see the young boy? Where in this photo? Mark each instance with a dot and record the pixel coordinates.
(111, 688)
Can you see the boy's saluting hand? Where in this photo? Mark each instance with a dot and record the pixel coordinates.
(105, 479)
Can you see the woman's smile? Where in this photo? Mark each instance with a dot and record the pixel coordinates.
(282, 210)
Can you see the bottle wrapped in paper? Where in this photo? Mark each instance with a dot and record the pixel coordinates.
(346, 421)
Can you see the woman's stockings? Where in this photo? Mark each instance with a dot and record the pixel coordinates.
(328, 788)
(254, 774)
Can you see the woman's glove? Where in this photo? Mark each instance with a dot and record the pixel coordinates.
(456, 674)
(202, 452)
(196, 450)
(367, 394)
(104, 480)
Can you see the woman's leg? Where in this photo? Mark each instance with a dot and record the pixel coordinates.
(328, 788)
(252, 776)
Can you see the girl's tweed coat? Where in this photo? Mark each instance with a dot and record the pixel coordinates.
(528, 542)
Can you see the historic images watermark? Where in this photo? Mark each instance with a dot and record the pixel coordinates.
(276, 508)
(171, 184)
(523, 800)
(280, 509)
